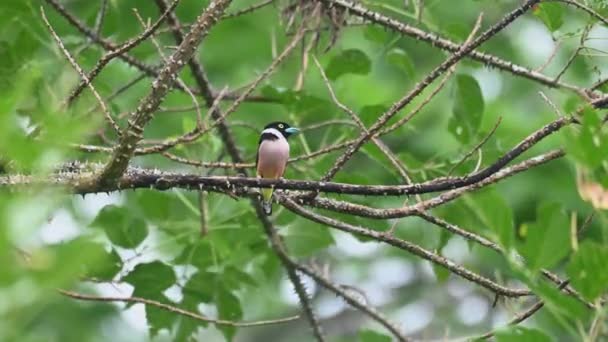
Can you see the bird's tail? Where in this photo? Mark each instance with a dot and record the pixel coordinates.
(267, 200)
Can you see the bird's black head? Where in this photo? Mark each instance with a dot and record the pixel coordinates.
(283, 128)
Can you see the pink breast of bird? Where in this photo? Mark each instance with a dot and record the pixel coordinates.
(272, 158)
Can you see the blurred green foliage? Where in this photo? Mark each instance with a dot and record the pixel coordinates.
(148, 243)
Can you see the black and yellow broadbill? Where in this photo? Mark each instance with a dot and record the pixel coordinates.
(273, 154)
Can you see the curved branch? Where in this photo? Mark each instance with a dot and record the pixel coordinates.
(522, 316)
(353, 301)
(136, 178)
(120, 50)
(448, 45)
(407, 246)
(584, 8)
(375, 213)
(150, 71)
(175, 310)
(160, 87)
(459, 54)
(280, 250)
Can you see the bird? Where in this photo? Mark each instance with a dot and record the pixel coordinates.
(272, 156)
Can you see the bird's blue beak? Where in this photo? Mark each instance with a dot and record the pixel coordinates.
(292, 130)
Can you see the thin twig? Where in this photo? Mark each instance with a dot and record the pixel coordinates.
(355, 118)
(280, 250)
(551, 57)
(353, 301)
(160, 87)
(119, 92)
(585, 8)
(452, 228)
(407, 246)
(121, 50)
(551, 104)
(389, 213)
(476, 147)
(358, 10)
(576, 52)
(175, 310)
(101, 15)
(219, 118)
(248, 10)
(148, 70)
(80, 72)
(522, 316)
(420, 86)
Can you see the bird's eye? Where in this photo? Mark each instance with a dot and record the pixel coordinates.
(281, 126)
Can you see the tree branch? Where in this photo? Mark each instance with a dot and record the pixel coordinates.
(80, 72)
(160, 87)
(448, 45)
(175, 309)
(407, 246)
(280, 251)
(122, 49)
(353, 301)
(420, 86)
(366, 211)
(135, 178)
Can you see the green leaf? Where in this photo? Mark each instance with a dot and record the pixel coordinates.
(228, 308)
(551, 14)
(441, 273)
(521, 334)
(458, 30)
(201, 287)
(301, 102)
(158, 318)
(376, 34)
(494, 212)
(199, 254)
(185, 325)
(467, 110)
(547, 240)
(154, 205)
(369, 114)
(588, 270)
(120, 226)
(107, 267)
(588, 144)
(216, 287)
(559, 304)
(57, 264)
(182, 326)
(188, 123)
(400, 59)
(150, 279)
(270, 264)
(351, 61)
(304, 238)
(235, 279)
(600, 6)
(373, 336)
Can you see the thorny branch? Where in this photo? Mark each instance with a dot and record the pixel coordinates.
(448, 45)
(160, 87)
(124, 48)
(428, 79)
(230, 144)
(80, 72)
(407, 246)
